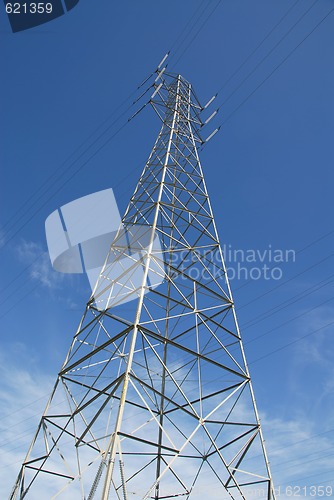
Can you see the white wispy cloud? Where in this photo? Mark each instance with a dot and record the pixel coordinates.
(312, 366)
(23, 396)
(300, 452)
(32, 254)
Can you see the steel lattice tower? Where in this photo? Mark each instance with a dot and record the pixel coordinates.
(154, 399)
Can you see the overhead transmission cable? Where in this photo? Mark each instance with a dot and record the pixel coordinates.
(185, 35)
(290, 53)
(289, 344)
(288, 302)
(62, 185)
(310, 333)
(180, 39)
(197, 32)
(71, 166)
(63, 165)
(326, 16)
(279, 285)
(271, 73)
(38, 257)
(291, 445)
(79, 147)
(285, 322)
(265, 57)
(146, 81)
(313, 242)
(59, 176)
(245, 61)
(56, 171)
(27, 433)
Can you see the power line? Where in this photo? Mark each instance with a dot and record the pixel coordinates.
(183, 35)
(276, 68)
(89, 147)
(135, 91)
(269, 53)
(58, 173)
(279, 285)
(308, 478)
(27, 432)
(304, 462)
(291, 445)
(37, 258)
(186, 48)
(197, 32)
(81, 166)
(257, 47)
(287, 322)
(292, 342)
(313, 242)
(287, 303)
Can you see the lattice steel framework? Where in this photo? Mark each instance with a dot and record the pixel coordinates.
(154, 399)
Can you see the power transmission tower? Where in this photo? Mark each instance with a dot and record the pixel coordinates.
(154, 399)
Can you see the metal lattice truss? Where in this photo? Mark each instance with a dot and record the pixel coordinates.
(154, 399)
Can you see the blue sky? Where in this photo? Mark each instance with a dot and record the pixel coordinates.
(269, 174)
